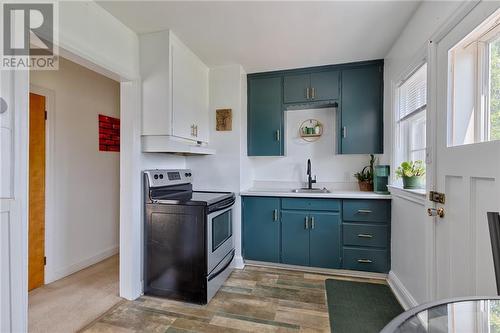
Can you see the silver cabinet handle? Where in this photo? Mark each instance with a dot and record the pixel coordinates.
(275, 215)
(365, 236)
(365, 261)
(308, 94)
(306, 224)
(313, 93)
(364, 211)
(278, 135)
(312, 222)
(344, 132)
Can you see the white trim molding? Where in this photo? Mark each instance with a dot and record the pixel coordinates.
(402, 294)
(317, 270)
(416, 196)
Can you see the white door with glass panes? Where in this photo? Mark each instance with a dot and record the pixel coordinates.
(466, 162)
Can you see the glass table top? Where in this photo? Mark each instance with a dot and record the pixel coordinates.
(451, 316)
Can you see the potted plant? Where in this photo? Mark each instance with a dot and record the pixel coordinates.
(365, 176)
(413, 173)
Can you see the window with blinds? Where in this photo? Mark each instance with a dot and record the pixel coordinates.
(410, 116)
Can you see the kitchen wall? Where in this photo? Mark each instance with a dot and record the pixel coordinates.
(411, 230)
(83, 187)
(326, 164)
(221, 172)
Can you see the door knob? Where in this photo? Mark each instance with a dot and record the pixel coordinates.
(436, 212)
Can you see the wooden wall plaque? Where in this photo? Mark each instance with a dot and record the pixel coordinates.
(224, 118)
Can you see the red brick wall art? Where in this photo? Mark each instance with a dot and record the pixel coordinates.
(109, 133)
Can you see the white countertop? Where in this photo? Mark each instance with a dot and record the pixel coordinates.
(335, 194)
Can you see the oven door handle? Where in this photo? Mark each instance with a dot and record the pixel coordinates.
(229, 204)
(215, 274)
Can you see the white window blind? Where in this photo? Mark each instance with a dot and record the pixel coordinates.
(412, 93)
(410, 117)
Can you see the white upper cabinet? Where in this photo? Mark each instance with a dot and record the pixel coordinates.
(174, 93)
(189, 94)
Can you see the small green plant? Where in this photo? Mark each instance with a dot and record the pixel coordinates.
(411, 169)
(366, 174)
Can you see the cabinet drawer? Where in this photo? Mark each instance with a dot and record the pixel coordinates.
(365, 235)
(366, 260)
(310, 204)
(366, 210)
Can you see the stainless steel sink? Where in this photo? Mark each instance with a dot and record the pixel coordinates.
(310, 190)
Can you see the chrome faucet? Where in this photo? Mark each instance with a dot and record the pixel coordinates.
(310, 180)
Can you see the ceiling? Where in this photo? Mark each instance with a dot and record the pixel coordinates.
(263, 36)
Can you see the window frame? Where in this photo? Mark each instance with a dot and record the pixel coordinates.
(402, 149)
(480, 39)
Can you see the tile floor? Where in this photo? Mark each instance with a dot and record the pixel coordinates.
(255, 299)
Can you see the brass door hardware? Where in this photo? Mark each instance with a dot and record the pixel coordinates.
(437, 197)
(436, 212)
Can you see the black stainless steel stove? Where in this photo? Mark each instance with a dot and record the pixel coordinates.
(188, 237)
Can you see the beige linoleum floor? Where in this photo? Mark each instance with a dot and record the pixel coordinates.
(255, 299)
(69, 304)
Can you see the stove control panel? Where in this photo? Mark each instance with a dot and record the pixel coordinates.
(168, 177)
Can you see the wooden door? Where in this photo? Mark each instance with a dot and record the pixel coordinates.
(261, 229)
(469, 175)
(361, 111)
(36, 210)
(265, 117)
(295, 238)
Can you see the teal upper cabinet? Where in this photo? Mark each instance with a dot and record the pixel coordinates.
(261, 229)
(361, 114)
(356, 89)
(325, 86)
(311, 87)
(265, 116)
(296, 88)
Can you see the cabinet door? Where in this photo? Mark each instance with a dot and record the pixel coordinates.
(189, 96)
(325, 86)
(294, 238)
(361, 111)
(261, 229)
(265, 117)
(295, 88)
(325, 240)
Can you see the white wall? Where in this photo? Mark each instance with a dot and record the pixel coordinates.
(411, 263)
(221, 172)
(83, 186)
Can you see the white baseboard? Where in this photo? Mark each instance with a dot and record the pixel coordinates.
(59, 274)
(329, 271)
(238, 262)
(404, 297)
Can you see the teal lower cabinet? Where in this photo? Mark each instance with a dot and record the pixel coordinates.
(327, 233)
(261, 229)
(325, 240)
(364, 259)
(295, 238)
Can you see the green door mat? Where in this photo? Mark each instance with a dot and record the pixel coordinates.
(360, 307)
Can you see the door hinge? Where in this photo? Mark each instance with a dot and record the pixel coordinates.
(45, 115)
(45, 261)
(437, 197)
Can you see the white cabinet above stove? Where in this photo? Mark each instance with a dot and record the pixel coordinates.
(175, 91)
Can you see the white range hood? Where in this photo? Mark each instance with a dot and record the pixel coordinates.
(169, 144)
